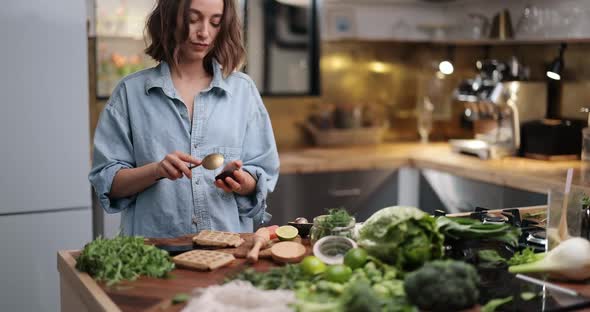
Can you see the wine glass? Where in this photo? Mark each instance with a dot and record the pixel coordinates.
(424, 111)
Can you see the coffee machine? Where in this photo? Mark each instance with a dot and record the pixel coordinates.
(496, 109)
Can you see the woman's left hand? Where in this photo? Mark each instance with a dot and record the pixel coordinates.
(243, 184)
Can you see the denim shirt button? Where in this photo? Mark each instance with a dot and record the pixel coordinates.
(195, 220)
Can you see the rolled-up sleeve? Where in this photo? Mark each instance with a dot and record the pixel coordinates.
(260, 158)
(113, 151)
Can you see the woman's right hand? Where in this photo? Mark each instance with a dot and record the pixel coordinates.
(174, 166)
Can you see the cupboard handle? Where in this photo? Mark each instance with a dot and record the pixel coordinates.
(345, 192)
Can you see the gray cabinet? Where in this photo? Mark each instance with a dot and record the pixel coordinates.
(441, 190)
(309, 195)
(364, 192)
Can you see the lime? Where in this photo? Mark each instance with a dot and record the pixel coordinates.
(355, 258)
(338, 273)
(286, 232)
(312, 265)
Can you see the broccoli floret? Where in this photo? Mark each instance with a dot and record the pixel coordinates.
(360, 297)
(443, 286)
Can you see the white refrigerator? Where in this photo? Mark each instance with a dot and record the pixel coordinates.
(45, 202)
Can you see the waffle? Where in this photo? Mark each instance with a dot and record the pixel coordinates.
(203, 259)
(218, 239)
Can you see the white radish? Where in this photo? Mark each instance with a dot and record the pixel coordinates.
(570, 260)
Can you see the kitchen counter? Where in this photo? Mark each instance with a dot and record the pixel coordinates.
(521, 173)
(79, 292)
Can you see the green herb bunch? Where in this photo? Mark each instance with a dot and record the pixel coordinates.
(123, 258)
(336, 218)
(285, 277)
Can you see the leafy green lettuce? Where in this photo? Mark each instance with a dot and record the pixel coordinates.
(403, 236)
(466, 228)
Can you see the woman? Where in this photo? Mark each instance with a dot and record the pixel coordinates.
(161, 120)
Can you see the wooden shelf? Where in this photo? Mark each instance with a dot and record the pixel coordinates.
(467, 42)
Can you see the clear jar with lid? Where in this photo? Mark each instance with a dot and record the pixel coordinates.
(323, 227)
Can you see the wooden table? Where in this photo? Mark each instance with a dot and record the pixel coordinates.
(79, 292)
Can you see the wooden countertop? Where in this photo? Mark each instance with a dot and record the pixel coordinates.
(521, 173)
(79, 292)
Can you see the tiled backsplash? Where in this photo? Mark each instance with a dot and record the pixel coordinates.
(390, 77)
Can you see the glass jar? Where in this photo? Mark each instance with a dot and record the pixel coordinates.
(586, 144)
(320, 229)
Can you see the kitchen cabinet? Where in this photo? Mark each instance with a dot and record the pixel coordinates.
(455, 22)
(282, 43)
(311, 194)
(364, 192)
(28, 259)
(119, 26)
(44, 136)
(451, 193)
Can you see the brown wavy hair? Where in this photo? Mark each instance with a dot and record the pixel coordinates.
(168, 26)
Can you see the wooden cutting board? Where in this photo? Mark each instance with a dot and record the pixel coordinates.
(238, 252)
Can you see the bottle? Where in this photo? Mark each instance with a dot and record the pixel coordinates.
(585, 222)
(585, 156)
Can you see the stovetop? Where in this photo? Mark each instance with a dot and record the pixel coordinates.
(532, 233)
(497, 282)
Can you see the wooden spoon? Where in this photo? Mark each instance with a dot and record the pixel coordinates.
(261, 238)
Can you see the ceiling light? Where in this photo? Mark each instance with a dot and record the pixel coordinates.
(378, 67)
(446, 67)
(553, 75)
(298, 3)
(556, 67)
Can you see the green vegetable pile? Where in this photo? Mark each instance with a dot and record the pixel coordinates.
(525, 256)
(289, 276)
(395, 242)
(123, 258)
(465, 228)
(406, 237)
(493, 304)
(489, 258)
(443, 285)
(374, 286)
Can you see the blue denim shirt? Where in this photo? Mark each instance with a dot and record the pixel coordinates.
(145, 119)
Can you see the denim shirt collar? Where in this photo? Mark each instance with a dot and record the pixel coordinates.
(162, 79)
